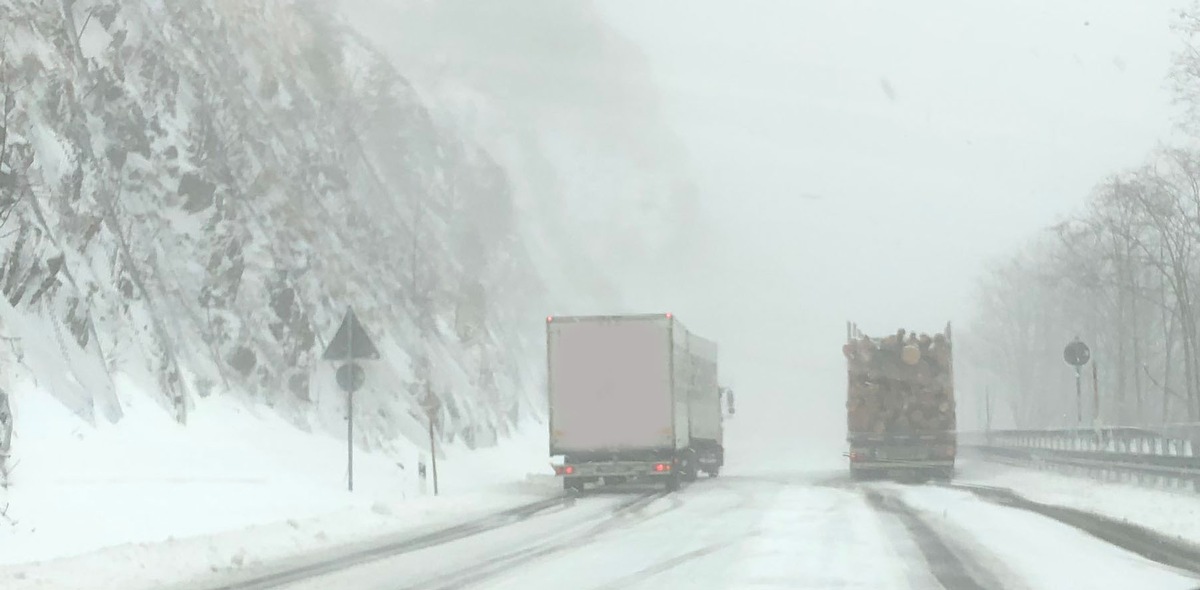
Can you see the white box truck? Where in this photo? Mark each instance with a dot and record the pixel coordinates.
(631, 397)
(705, 420)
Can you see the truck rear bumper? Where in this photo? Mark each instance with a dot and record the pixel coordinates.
(936, 469)
(710, 458)
(936, 464)
(614, 469)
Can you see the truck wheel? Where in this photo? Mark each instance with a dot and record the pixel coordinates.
(691, 466)
(572, 485)
(715, 471)
(673, 482)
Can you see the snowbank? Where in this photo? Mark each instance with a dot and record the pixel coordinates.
(238, 485)
(1024, 550)
(1169, 512)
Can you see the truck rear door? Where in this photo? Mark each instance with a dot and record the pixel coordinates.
(610, 384)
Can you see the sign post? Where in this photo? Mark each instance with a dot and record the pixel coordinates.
(433, 456)
(432, 405)
(350, 344)
(1077, 355)
(421, 475)
(987, 409)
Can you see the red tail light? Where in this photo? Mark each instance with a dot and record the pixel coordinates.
(569, 470)
(857, 456)
(563, 470)
(662, 467)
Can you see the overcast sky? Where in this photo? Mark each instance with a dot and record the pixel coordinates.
(867, 159)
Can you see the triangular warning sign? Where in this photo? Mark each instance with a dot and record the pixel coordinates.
(351, 342)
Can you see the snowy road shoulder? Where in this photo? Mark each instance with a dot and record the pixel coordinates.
(1172, 513)
(1023, 549)
(750, 532)
(606, 541)
(1131, 536)
(152, 503)
(213, 560)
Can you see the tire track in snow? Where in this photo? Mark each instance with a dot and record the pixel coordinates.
(744, 497)
(625, 516)
(506, 561)
(642, 575)
(392, 549)
(949, 568)
(1152, 545)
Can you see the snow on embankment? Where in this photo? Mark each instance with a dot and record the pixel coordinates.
(150, 501)
(1174, 513)
(191, 195)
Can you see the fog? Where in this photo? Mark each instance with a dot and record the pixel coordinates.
(197, 197)
(866, 160)
(768, 173)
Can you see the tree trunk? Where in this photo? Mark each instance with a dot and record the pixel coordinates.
(1189, 359)
(1168, 348)
(1139, 416)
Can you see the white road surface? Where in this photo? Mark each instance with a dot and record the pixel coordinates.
(804, 531)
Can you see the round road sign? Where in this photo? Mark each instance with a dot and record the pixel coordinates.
(350, 377)
(1077, 354)
(431, 404)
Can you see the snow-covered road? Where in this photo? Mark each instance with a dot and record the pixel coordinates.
(806, 531)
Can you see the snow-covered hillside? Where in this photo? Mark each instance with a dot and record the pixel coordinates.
(571, 109)
(193, 194)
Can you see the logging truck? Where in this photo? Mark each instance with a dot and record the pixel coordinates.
(900, 405)
(632, 397)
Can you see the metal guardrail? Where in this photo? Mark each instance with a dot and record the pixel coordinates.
(1126, 449)
(1184, 430)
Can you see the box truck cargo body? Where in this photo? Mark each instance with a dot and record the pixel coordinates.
(623, 398)
(705, 418)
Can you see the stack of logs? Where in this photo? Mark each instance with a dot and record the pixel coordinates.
(901, 384)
